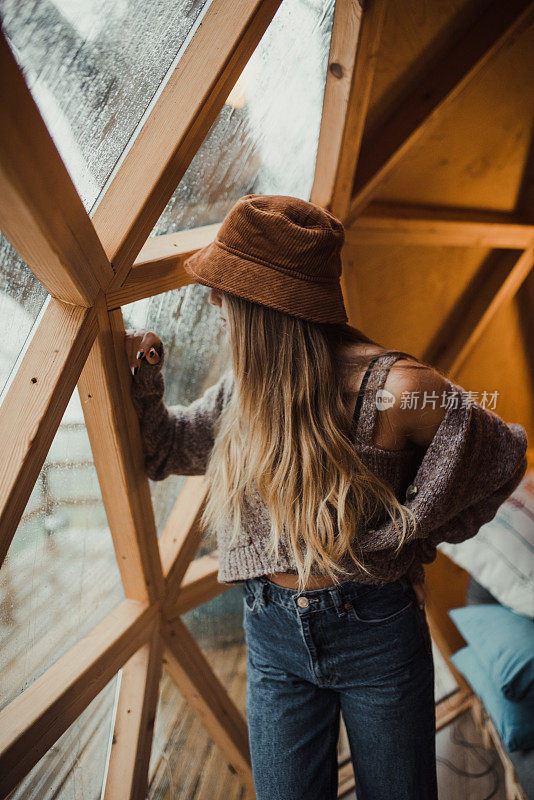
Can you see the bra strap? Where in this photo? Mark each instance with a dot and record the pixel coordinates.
(359, 399)
(366, 411)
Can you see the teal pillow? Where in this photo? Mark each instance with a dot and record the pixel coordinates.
(504, 642)
(514, 720)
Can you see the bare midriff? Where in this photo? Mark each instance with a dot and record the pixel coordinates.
(290, 581)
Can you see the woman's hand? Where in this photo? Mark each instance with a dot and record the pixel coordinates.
(420, 592)
(141, 344)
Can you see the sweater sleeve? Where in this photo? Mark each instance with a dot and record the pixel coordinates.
(469, 522)
(176, 439)
(473, 463)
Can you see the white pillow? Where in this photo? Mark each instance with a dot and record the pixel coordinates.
(501, 555)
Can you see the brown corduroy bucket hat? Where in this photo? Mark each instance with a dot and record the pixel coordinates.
(279, 251)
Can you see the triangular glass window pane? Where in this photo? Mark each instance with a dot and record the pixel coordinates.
(185, 762)
(93, 67)
(264, 140)
(76, 765)
(60, 577)
(21, 299)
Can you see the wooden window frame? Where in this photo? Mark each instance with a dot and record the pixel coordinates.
(91, 267)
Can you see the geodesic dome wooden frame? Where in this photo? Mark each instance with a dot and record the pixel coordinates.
(92, 266)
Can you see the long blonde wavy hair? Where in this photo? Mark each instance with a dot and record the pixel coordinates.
(285, 433)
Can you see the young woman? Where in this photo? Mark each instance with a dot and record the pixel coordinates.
(325, 490)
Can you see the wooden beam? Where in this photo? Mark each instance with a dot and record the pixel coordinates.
(496, 282)
(113, 429)
(491, 738)
(399, 225)
(35, 403)
(353, 56)
(127, 773)
(436, 86)
(159, 266)
(452, 706)
(524, 300)
(34, 720)
(40, 211)
(199, 585)
(208, 698)
(163, 251)
(446, 584)
(524, 303)
(345, 780)
(339, 79)
(176, 126)
(182, 534)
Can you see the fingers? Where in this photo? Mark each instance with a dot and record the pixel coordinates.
(132, 340)
(149, 346)
(141, 344)
(152, 356)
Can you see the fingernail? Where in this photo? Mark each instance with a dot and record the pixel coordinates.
(140, 354)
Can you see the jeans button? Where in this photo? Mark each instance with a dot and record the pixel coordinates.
(303, 602)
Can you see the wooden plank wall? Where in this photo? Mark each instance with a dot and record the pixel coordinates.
(472, 157)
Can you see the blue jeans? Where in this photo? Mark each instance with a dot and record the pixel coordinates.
(359, 649)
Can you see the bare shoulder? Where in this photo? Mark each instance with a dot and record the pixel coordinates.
(418, 408)
(409, 375)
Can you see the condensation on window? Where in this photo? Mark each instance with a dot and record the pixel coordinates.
(22, 299)
(93, 67)
(264, 140)
(197, 353)
(60, 577)
(75, 767)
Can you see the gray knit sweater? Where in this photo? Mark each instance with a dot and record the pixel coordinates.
(455, 485)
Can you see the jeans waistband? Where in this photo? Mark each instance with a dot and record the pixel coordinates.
(334, 596)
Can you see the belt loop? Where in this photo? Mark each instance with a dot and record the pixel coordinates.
(338, 601)
(262, 590)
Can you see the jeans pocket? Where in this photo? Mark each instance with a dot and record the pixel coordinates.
(380, 604)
